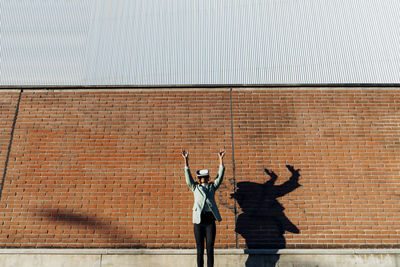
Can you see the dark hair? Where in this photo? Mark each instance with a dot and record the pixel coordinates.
(205, 177)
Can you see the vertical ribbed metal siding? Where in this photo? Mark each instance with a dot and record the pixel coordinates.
(150, 42)
(42, 42)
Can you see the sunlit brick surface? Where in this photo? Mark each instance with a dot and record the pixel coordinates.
(8, 105)
(103, 168)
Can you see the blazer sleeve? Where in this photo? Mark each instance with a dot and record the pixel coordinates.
(220, 176)
(189, 179)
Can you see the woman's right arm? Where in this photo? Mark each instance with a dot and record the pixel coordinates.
(220, 176)
(189, 179)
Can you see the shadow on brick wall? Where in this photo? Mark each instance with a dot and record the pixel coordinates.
(93, 227)
(263, 222)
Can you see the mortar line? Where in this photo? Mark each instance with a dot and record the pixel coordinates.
(10, 143)
(233, 167)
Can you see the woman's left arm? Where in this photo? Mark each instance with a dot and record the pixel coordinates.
(188, 176)
(220, 176)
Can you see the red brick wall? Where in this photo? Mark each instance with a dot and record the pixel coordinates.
(102, 168)
(8, 104)
(346, 143)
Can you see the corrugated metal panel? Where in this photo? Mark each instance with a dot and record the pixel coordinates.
(152, 42)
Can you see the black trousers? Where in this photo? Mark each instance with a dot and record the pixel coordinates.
(205, 230)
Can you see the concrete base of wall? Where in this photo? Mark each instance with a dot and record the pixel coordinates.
(187, 257)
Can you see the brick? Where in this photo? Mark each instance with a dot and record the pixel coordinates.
(102, 169)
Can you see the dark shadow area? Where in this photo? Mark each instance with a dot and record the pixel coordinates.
(98, 226)
(263, 222)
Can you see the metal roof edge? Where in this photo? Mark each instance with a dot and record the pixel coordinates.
(199, 86)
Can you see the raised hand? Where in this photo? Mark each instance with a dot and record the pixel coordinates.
(293, 170)
(185, 154)
(270, 173)
(221, 153)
